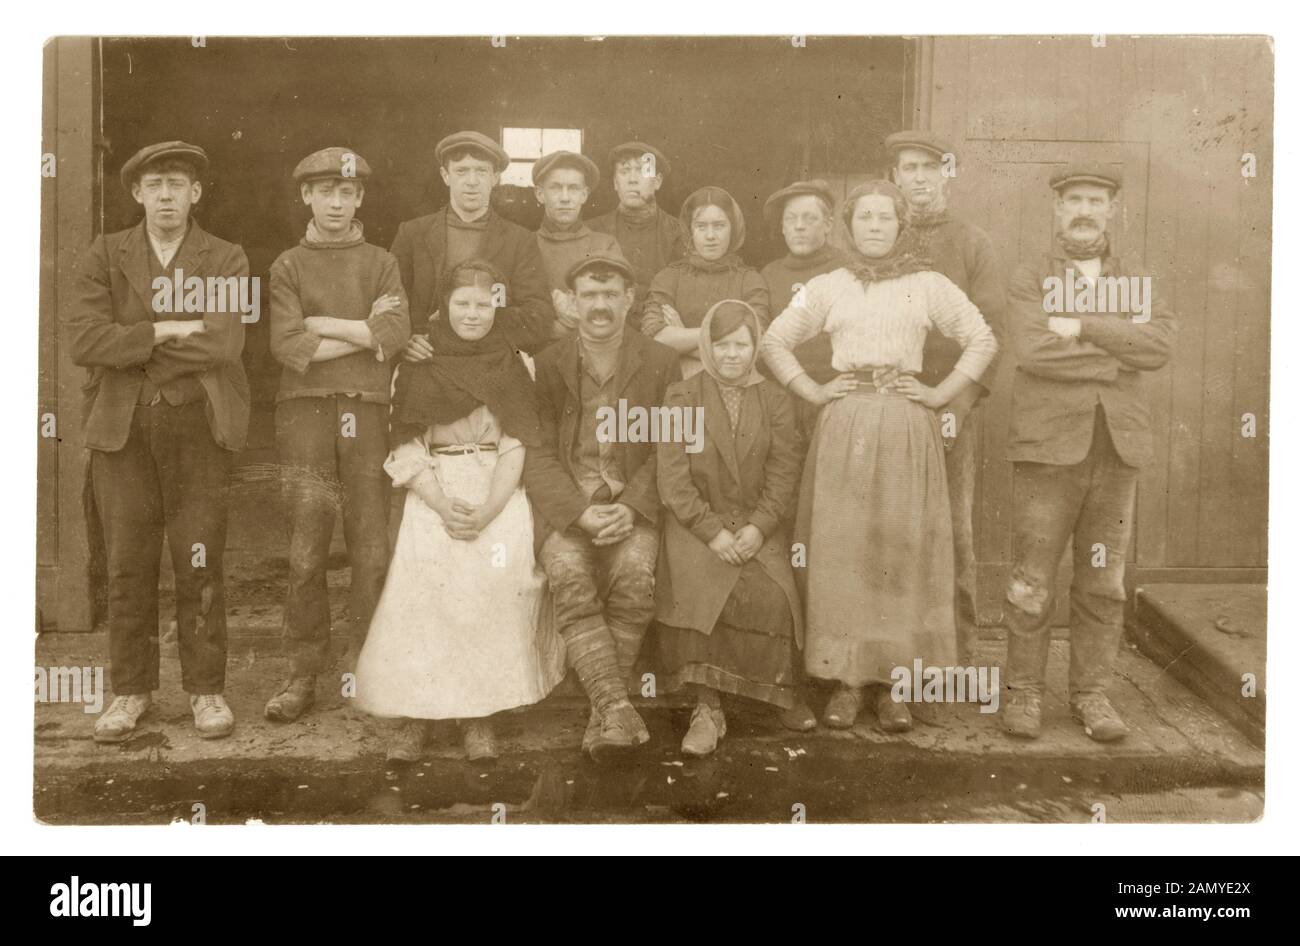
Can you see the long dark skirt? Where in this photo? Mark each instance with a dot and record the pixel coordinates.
(750, 651)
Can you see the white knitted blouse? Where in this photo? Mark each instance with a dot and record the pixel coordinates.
(878, 324)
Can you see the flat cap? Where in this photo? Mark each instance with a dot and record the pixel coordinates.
(180, 150)
(1099, 174)
(331, 162)
(475, 141)
(923, 140)
(774, 206)
(638, 150)
(566, 159)
(604, 261)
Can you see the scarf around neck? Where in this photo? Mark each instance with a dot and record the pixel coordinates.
(462, 375)
(1095, 248)
(313, 237)
(904, 257)
(556, 233)
(639, 219)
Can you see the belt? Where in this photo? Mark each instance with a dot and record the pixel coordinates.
(865, 377)
(462, 449)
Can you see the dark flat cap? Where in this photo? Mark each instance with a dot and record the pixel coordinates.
(638, 150)
(179, 150)
(604, 261)
(1099, 174)
(923, 140)
(331, 162)
(566, 159)
(475, 141)
(774, 206)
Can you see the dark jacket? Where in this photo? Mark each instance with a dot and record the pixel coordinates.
(109, 326)
(964, 253)
(421, 247)
(645, 369)
(749, 479)
(1060, 381)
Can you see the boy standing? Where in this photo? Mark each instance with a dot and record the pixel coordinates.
(338, 319)
(563, 181)
(649, 237)
(428, 248)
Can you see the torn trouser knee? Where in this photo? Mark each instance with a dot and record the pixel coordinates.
(1028, 638)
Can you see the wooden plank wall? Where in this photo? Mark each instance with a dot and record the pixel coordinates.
(1177, 115)
(68, 207)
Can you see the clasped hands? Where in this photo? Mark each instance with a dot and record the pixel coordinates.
(737, 548)
(607, 523)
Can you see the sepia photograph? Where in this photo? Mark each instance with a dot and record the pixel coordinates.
(662, 429)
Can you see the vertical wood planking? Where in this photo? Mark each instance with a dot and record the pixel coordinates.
(76, 178)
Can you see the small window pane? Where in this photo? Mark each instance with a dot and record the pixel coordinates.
(561, 139)
(522, 142)
(519, 172)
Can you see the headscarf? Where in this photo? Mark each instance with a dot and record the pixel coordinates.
(904, 256)
(464, 374)
(727, 306)
(713, 197)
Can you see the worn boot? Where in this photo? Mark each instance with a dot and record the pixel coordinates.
(621, 730)
(893, 715)
(592, 655)
(1100, 721)
(843, 707)
(406, 741)
(592, 731)
(1023, 714)
(295, 697)
(212, 715)
(479, 739)
(799, 717)
(117, 722)
(708, 725)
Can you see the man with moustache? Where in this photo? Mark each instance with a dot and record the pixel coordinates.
(965, 254)
(1080, 429)
(429, 247)
(167, 410)
(649, 237)
(563, 181)
(598, 502)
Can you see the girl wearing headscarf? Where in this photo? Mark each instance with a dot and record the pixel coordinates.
(873, 502)
(726, 601)
(456, 633)
(713, 228)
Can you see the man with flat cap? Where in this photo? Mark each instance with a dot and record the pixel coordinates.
(804, 213)
(429, 247)
(167, 410)
(922, 165)
(649, 237)
(339, 321)
(597, 498)
(563, 181)
(1080, 431)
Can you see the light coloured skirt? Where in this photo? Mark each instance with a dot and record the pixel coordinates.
(457, 633)
(874, 517)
